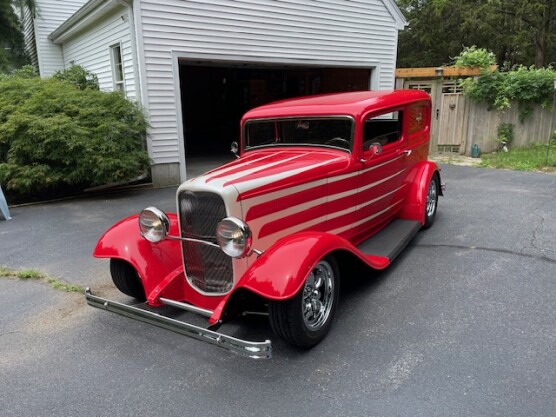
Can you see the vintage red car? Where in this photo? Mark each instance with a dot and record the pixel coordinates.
(318, 181)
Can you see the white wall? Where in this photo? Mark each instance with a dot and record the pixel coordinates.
(29, 36)
(91, 49)
(50, 15)
(346, 33)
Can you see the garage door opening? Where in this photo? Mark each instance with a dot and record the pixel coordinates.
(214, 98)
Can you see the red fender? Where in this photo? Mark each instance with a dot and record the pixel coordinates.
(418, 180)
(152, 261)
(280, 272)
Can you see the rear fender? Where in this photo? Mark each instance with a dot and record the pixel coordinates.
(280, 272)
(152, 261)
(418, 181)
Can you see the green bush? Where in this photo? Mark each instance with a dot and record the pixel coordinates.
(26, 71)
(54, 135)
(505, 133)
(79, 77)
(528, 87)
(475, 57)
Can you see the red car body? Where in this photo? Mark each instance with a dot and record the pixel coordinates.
(317, 177)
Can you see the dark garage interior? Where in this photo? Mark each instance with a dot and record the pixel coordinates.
(215, 97)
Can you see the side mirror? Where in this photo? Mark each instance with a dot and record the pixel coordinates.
(235, 149)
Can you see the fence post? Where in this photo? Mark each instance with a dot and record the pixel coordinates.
(4, 205)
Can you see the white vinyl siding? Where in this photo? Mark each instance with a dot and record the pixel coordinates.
(91, 49)
(29, 36)
(50, 15)
(343, 33)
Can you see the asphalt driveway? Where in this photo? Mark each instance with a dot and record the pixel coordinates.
(462, 324)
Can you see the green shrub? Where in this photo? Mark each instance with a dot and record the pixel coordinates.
(528, 87)
(475, 57)
(79, 77)
(505, 133)
(26, 71)
(55, 135)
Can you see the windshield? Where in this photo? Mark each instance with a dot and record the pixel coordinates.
(334, 132)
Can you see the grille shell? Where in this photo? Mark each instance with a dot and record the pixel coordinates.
(207, 268)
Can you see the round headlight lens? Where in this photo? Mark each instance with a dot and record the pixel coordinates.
(234, 237)
(154, 224)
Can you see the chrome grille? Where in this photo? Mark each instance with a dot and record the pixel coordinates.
(207, 267)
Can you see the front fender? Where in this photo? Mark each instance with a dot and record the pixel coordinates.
(279, 273)
(152, 261)
(418, 180)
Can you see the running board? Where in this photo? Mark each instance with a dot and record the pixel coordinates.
(256, 350)
(391, 240)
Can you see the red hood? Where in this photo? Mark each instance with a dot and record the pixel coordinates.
(263, 171)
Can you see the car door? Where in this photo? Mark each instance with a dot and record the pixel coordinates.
(382, 170)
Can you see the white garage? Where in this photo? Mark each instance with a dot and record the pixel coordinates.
(196, 66)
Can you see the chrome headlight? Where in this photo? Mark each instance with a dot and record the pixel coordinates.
(154, 224)
(234, 237)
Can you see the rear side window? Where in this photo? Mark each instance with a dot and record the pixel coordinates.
(418, 118)
(383, 129)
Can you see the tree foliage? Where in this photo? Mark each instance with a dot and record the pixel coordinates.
(53, 134)
(79, 77)
(528, 87)
(12, 51)
(519, 32)
(475, 57)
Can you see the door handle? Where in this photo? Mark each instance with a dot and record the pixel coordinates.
(407, 152)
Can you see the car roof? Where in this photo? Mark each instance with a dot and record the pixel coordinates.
(352, 103)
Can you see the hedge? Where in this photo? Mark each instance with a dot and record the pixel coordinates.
(54, 134)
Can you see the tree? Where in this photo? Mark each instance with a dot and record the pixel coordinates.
(12, 54)
(532, 22)
(437, 32)
(518, 31)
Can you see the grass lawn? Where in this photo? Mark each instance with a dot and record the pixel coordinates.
(531, 158)
(32, 274)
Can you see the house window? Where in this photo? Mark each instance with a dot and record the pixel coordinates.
(117, 68)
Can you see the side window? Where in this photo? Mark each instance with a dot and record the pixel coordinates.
(383, 129)
(418, 118)
(117, 68)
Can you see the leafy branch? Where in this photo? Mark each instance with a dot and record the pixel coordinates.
(529, 87)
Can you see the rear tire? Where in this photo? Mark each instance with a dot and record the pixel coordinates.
(431, 203)
(126, 279)
(305, 319)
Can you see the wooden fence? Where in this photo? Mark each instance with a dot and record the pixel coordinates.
(482, 126)
(458, 122)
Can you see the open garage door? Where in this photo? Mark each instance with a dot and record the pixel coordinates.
(215, 97)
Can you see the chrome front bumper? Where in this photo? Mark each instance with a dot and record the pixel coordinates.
(256, 350)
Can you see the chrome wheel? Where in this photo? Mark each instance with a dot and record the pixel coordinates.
(318, 296)
(431, 203)
(432, 198)
(305, 319)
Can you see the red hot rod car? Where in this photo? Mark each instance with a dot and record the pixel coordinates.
(317, 182)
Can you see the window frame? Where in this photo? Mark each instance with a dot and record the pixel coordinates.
(117, 63)
(377, 115)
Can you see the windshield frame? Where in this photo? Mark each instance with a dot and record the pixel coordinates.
(249, 122)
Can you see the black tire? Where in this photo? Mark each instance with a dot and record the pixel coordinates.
(298, 322)
(431, 203)
(126, 279)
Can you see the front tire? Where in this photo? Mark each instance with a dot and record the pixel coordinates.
(305, 319)
(126, 279)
